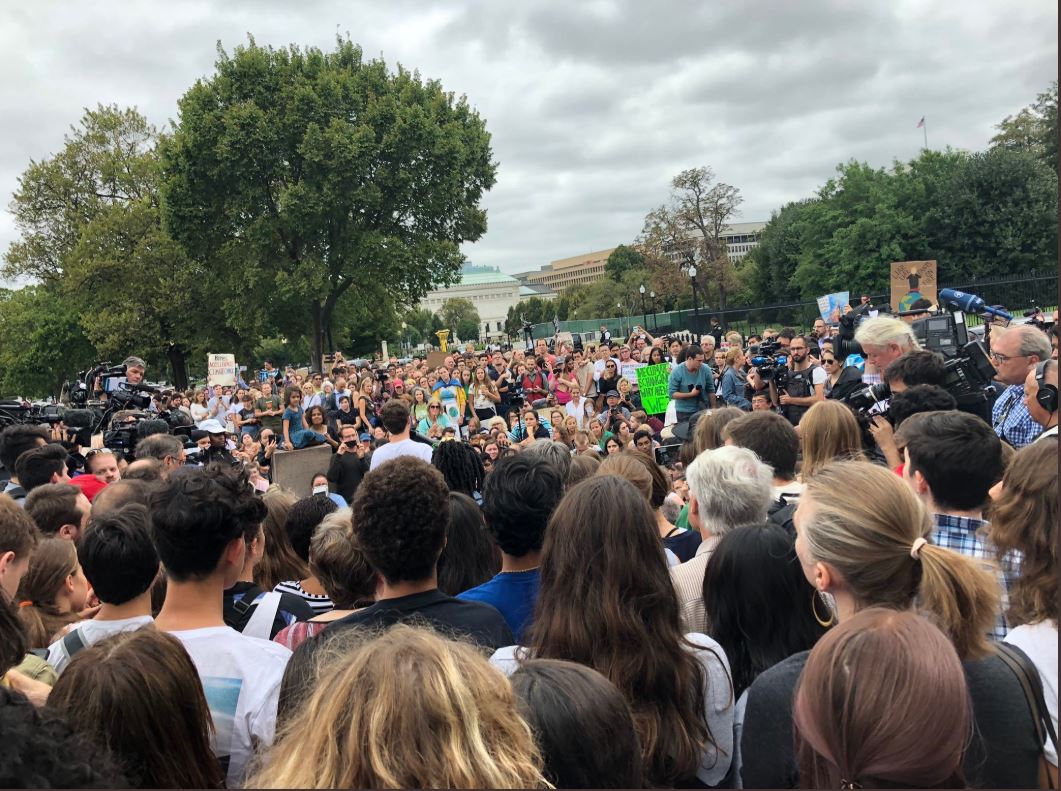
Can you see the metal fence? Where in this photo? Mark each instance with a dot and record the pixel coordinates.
(1016, 294)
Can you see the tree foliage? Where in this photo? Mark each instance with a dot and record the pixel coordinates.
(461, 317)
(621, 260)
(305, 175)
(1033, 129)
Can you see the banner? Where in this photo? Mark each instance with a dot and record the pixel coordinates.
(911, 281)
(830, 302)
(221, 370)
(653, 380)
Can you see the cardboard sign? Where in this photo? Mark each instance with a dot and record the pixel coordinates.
(221, 370)
(653, 380)
(830, 302)
(911, 281)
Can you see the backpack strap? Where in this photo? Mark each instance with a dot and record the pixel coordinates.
(260, 623)
(1032, 684)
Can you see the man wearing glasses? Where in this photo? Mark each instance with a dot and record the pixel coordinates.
(1016, 351)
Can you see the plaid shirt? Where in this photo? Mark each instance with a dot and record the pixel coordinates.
(1011, 419)
(966, 536)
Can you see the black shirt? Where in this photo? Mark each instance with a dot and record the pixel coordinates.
(1003, 753)
(346, 471)
(456, 618)
(683, 543)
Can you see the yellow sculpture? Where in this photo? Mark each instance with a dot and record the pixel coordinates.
(442, 336)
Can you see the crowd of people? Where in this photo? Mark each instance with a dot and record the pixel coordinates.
(505, 578)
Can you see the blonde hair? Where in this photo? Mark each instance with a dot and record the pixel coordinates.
(708, 432)
(884, 331)
(732, 354)
(862, 520)
(407, 709)
(828, 431)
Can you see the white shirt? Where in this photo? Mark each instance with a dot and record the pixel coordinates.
(1050, 432)
(241, 678)
(577, 409)
(1039, 642)
(91, 632)
(718, 701)
(392, 450)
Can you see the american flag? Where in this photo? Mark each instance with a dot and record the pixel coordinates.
(920, 123)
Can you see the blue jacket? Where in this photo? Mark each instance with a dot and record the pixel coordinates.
(731, 390)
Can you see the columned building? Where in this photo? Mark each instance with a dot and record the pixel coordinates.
(491, 292)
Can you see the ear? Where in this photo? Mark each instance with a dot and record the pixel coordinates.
(68, 532)
(694, 511)
(6, 561)
(825, 579)
(920, 484)
(235, 552)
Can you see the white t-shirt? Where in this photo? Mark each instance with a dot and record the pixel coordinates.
(91, 632)
(1039, 642)
(392, 450)
(241, 678)
(718, 701)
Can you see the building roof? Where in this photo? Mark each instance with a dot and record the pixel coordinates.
(483, 275)
(535, 290)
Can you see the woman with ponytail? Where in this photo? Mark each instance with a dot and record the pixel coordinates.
(53, 591)
(861, 537)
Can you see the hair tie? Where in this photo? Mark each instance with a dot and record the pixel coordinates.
(26, 603)
(853, 783)
(915, 549)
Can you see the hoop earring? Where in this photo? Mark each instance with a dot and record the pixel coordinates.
(814, 609)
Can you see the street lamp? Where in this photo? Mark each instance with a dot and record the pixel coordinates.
(655, 324)
(644, 313)
(619, 306)
(405, 345)
(696, 311)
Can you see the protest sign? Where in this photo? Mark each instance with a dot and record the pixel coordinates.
(830, 302)
(653, 380)
(221, 370)
(912, 280)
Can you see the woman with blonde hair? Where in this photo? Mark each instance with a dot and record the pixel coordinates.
(828, 432)
(862, 537)
(439, 716)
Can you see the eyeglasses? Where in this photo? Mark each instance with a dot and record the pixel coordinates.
(1001, 358)
(94, 451)
(828, 361)
(434, 406)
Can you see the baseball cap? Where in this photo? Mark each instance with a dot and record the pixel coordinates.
(614, 393)
(212, 426)
(90, 485)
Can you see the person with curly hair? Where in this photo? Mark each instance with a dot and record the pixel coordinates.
(461, 466)
(411, 493)
(520, 496)
(439, 717)
(201, 522)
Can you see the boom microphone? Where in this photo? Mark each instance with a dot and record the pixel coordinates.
(970, 303)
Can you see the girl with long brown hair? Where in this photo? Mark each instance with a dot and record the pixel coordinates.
(279, 562)
(53, 591)
(861, 537)
(882, 703)
(618, 614)
(438, 717)
(1024, 517)
(138, 696)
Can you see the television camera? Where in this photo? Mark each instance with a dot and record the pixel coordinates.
(772, 367)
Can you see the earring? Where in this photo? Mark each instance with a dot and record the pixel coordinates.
(814, 609)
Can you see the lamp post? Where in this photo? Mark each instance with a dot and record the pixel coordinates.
(655, 324)
(405, 345)
(696, 312)
(644, 313)
(619, 306)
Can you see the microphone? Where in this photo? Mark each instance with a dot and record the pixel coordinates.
(970, 303)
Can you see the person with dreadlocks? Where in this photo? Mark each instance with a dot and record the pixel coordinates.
(462, 467)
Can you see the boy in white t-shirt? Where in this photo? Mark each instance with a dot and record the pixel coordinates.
(202, 521)
(120, 563)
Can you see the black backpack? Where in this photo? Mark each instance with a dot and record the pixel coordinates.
(780, 514)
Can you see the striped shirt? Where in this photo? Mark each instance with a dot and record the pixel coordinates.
(318, 603)
(688, 579)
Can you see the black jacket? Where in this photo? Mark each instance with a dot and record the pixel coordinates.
(345, 473)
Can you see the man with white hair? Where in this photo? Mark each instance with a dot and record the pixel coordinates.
(884, 340)
(1016, 351)
(729, 488)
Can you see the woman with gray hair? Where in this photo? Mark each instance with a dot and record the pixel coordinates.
(728, 488)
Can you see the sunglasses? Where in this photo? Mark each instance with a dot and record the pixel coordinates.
(94, 451)
(828, 361)
(433, 406)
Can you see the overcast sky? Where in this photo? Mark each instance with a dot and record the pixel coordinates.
(593, 106)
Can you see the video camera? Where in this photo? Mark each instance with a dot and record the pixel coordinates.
(771, 365)
(121, 394)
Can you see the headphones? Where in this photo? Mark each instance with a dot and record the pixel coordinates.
(1046, 394)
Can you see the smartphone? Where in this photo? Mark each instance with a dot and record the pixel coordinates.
(666, 455)
(320, 489)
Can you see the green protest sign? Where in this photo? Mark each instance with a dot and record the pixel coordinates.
(653, 379)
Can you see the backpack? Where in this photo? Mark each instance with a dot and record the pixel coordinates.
(780, 514)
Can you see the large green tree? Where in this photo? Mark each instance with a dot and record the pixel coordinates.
(305, 175)
(91, 231)
(461, 317)
(1033, 129)
(621, 260)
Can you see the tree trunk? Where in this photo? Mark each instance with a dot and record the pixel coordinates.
(178, 363)
(316, 351)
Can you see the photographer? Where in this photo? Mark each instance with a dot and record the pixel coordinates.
(1040, 395)
(921, 367)
(805, 385)
(614, 413)
(217, 450)
(691, 384)
(348, 465)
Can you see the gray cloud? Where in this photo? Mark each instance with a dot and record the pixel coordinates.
(593, 106)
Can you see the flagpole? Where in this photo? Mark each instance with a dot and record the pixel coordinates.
(924, 128)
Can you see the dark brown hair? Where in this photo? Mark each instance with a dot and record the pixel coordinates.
(53, 505)
(619, 615)
(18, 532)
(52, 562)
(882, 702)
(1024, 517)
(138, 695)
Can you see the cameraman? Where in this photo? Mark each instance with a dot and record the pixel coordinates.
(882, 340)
(921, 367)
(135, 368)
(614, 414)
(806, 382)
